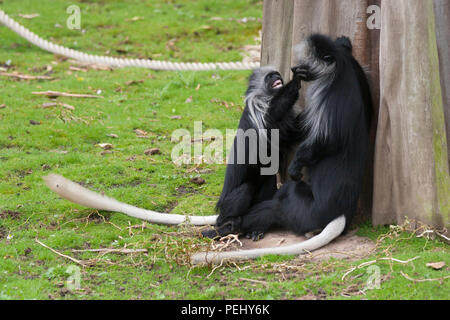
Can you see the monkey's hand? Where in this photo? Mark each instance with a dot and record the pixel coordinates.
(295, 171)
(302, 73)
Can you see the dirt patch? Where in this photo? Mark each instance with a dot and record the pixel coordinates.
(2, 232)
(182, 190)
(349, 246)
(10, 214)
(170, 206)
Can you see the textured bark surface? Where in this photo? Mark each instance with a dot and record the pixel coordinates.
(411, 163)
(408, 64)
(442, 12)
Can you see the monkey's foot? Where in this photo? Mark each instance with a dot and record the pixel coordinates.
(255, 235)
(231, 226)
(212, 234)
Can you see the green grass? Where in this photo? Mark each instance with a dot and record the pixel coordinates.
(66, 142)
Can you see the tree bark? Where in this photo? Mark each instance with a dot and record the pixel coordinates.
(408, 65)
(411, 160)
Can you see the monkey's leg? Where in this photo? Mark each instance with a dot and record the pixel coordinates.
(268, 189)
(292, 209)
(260, 219)
(232, 207)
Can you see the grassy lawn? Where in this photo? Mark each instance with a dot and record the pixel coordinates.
(139, 110)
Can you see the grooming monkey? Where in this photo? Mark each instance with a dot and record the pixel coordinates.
(334, 147)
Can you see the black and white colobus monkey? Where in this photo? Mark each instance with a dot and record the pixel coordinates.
(268, 105)
(334, 148)
(336, 124)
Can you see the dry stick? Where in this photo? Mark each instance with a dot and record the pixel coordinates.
(423, 280)
(111, 250)
(368, 263)
(254, 281)
(62, 255)
(54, 94)
(25, 76)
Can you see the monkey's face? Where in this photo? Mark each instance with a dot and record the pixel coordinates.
(264, 81)
(273, 81)
(316, 56)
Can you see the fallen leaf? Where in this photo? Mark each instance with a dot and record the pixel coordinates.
(105, 146)
(2, 106)
(132, 82)
(60, 151)
(152, 151)
(35, 123)
(197, 180)
(436, 265)
(140, 132)
(112, 135)
(175, 117)
(67, 106)
(29, 16)
(137, 18)
(188, 100)
(49, 105)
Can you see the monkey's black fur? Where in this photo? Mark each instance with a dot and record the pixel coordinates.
(335, 146)
(268, 108)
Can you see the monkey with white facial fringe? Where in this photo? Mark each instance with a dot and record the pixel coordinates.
(336, 124)
(268, 106)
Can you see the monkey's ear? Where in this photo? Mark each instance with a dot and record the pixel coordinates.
(345, 42)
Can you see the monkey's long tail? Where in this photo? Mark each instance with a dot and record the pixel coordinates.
(75, 193)
(331, 231)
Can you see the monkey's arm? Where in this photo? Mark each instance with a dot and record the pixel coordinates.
(308, 155)
(283, 101)
(305, 156)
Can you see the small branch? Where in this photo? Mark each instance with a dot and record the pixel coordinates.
(55, 94)
(111, 250)
(82, 263)
(254, 281)
(368, 263)
(24, 76)
(423, 280)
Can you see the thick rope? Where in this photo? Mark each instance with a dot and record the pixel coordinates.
(119, 62)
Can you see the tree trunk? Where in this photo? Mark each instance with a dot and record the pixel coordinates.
(408, 65)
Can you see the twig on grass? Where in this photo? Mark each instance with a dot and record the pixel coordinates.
(255, 281)
(423, 280)
(368, 263)
(55, 94)
(82, 263)
(21, 76)
(111, 250)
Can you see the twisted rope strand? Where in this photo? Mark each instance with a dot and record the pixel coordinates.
(119, 62)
